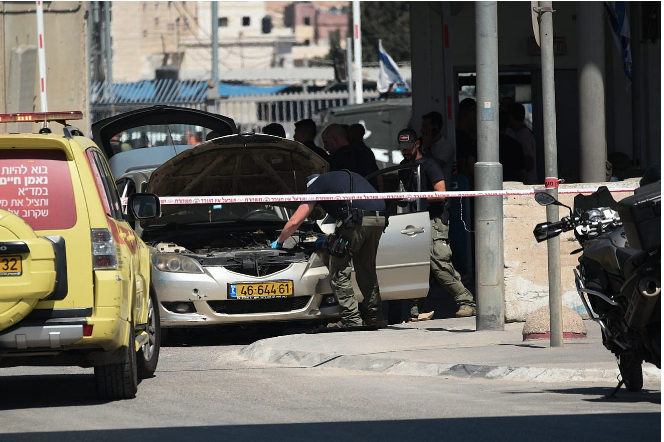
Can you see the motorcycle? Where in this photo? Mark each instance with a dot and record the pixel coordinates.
(618, 276)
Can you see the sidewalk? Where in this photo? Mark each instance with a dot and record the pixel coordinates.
(449, 347)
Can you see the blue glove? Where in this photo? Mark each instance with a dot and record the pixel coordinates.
(319, 242)
(276, 245)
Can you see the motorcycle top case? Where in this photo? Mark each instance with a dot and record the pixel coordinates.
(641, 215)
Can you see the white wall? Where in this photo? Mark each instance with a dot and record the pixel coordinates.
(514, 30)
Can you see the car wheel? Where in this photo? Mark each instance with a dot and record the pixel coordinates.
(148, 355)
(631, 371)
(119, 380)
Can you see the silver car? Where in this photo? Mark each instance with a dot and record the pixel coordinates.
(212, 263)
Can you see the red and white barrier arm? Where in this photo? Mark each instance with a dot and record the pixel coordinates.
(361, 196)
(42, 56)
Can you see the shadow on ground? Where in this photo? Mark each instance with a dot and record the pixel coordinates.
(584, 427)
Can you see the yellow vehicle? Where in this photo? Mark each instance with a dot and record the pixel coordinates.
(75, 284)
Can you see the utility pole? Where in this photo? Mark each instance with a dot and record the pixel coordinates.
(489, 269)
(109, 54)
(215, 44)
(213, 91)
(545, 12)
(357, 48)
(349, 70)
(107, 43)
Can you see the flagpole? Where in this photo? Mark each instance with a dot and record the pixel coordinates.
(357, 48)
(349, 70)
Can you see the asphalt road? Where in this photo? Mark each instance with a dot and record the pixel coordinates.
(203, 391)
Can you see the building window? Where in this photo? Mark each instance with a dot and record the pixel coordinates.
(246, 21)
(307, 21)
(266, 24)
(145, 33)
(171, 27)
(223, 22)
(334, 10)
(307, 42)
(156, 21)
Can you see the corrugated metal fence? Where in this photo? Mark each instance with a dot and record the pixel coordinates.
(250, 112)
(107, 100)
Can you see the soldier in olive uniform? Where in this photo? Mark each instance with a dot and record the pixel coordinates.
(362, 239)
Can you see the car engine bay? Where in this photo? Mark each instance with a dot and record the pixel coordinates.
(242, 252)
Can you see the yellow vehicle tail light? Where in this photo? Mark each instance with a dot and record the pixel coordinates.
(104, 253)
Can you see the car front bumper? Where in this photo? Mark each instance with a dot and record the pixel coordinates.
(190, 300)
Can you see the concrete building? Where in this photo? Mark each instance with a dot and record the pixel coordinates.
(312, 23)
(148, 35)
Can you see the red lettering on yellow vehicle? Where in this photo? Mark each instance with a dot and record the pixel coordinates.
(123, 235)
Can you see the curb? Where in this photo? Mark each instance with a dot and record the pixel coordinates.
(258, 352)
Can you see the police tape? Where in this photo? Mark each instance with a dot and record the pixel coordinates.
(169, 200)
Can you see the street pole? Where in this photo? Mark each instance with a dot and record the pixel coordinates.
(88, 50)
(489, 267)
(215, 44)
(109, 54)
(551, 168)
(357, 48)
(349, 70)
(592, 119)
(107, 41)
(212, 105)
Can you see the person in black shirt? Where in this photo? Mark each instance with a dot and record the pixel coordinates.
(433, 179)
(466, 134)
(275, 129)
(362, 240)
(510, 151)
(305, 132)
(346, 156)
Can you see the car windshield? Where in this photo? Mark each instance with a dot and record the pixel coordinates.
(159, 135)
(223, 214)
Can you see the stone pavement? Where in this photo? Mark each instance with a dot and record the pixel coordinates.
(449, 347)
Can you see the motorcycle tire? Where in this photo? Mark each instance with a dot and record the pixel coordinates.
(631, 371)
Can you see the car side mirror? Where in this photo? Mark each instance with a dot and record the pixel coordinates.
(144, 205)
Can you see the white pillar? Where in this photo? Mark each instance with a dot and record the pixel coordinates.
(592, 117)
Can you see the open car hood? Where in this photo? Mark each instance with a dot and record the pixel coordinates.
(245, 164)
(104, 130)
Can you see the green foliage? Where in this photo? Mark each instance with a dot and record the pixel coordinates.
(388, 21)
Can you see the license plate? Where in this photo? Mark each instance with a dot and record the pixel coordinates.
(261, 290)
(11, 265)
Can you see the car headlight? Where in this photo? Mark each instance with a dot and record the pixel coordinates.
(171, 262)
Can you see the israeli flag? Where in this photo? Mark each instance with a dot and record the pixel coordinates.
(618, 20)
(389, 72)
